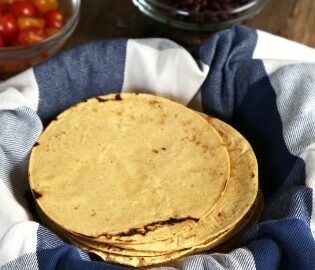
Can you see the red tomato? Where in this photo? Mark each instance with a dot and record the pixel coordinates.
(22, 8)
(8, 27)
(26, 22)
(6, 1)
(3, 8)
(53, 18)
(30, 36)
(50, 31)
(1, 42)
(46, 5)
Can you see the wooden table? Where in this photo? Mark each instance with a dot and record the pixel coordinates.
(100, 19)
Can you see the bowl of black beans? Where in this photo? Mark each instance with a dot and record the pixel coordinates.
(200, 15)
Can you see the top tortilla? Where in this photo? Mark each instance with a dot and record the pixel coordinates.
(240, 193)
(123, 165)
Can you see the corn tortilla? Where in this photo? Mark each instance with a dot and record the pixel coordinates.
(239, 195)
(109, 167)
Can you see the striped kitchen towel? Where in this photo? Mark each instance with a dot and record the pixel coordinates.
(262, 84)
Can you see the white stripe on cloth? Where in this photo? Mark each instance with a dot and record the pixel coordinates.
(21, 90)
(271, 47)
(11, 212)
(160, 67)
(297, 83)
(19, 241)
(277, 52)
(309, 157)
(240, 258)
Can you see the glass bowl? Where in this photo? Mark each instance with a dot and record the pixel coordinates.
(18, 58)
(191, 15)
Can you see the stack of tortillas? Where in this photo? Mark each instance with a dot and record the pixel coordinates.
(140, 180)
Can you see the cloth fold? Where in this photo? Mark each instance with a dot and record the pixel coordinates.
(261, 84)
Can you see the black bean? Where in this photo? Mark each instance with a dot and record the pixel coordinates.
(226, 6)
(208, 9)
(214, 5)
(195, 7)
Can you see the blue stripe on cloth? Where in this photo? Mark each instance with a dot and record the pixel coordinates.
(291, 245)
(54, 254)
(259, 120)
(267, 253)
(228, 54)
(67, 257)
(86, 71)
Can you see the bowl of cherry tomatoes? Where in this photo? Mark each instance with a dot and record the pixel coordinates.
(33, 30)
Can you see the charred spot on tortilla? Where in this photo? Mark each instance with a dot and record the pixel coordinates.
(118, 97)
(153, 102)
(101, 99)
(151, 227)
(36, 194)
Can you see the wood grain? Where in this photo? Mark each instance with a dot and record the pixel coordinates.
(293, 19)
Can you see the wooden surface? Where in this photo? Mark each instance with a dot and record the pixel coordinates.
(293, 19)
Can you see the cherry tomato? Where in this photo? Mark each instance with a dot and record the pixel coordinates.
(53, 18)
(9, 2)
(22, 8)
(3, 8)
(8, 27)
(50, 31)
(6, 1)
(30, 36)
(26, 22)
(1, 42)
(46, 5)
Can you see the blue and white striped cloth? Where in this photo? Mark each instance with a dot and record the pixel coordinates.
(262, 84)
